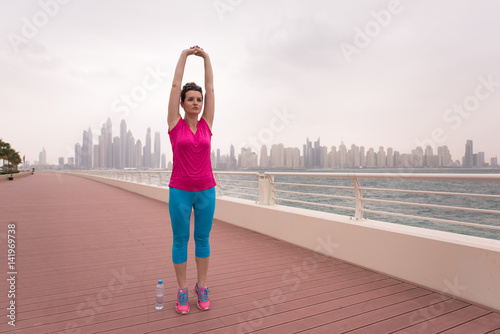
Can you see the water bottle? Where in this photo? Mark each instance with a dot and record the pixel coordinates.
(159, 295)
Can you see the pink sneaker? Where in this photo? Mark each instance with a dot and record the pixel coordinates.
(202, 293)
(182, 301)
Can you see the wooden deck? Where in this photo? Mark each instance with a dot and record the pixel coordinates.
(88, 257)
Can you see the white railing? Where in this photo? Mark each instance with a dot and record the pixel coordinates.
(360, 200)
(263, 188)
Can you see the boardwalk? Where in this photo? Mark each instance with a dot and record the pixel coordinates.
(88, 257)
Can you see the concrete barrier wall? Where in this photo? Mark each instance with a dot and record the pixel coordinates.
(463, 266)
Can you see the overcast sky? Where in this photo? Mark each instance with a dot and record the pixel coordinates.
(395, 74)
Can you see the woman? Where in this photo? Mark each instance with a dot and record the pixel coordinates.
(192, 185)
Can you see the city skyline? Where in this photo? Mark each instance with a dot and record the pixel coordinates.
(376, 73)
(119, 152)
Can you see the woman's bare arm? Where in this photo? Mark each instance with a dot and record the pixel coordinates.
(175, 93)
(209, 107)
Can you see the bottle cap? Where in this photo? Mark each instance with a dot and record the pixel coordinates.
(160, 282)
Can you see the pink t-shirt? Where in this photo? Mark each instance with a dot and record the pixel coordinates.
(192, 169)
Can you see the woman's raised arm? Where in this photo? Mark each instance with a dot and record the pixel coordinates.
(175, 93)
(209, 107)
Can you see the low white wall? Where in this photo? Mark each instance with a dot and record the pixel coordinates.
(4, 177)
(464, 266)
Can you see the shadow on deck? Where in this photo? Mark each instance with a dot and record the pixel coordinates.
(88, 257)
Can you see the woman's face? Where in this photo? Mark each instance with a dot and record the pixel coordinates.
(193, 102)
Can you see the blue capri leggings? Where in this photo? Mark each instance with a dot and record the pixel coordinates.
(180, 204)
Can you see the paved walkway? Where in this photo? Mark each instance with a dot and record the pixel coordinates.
(88, 257)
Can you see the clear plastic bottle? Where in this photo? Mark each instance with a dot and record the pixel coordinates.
(159, 295)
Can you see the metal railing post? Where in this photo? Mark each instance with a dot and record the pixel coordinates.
(266, 189)
(358, 213)
(218, 187)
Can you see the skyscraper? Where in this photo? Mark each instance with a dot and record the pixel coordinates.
(147, 150)
(468, 160)
(87, 149)
(138, 154)
(444, 154)
(381, 159)
(370, 158)
(116, 152)
(390, 157)
(131, 151)
(123, 145)
(264, 159)
(232, 159)
(157, 151)
(78, 155)
(109, 144)
(42, 157)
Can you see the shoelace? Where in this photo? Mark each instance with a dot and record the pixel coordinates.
(183, 297)
(203, 294)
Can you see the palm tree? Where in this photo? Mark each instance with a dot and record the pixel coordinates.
(4, 148)
(14, 158)
(6, 152)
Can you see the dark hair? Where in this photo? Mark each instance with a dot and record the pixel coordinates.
(190, 86)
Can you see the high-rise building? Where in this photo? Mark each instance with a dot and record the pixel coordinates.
(78, 155)
(116, 152)
(308, 153)
(233, 164)
(317, 158)
(362, 156)
(468, 160)
(264, 159)
(390, 158)
(131, 151)
(291, 158)
(381, 158)
(109, 144)
(157, 151)
(96, 163)
(87, 150)
(247, 158)
(102, 148)
(417, 157)
(277, 156)
(42, 157)
(445, 156)
(124, 152)
(480, 159)
(355, 157)
(139, 159)
(370, 158)
(163, 161)
(397, 160)
(332, 156)
(324, 157)
(429, 153)
(147, 150)
(342, 155)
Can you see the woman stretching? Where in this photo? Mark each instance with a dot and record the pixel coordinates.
(192, 185)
